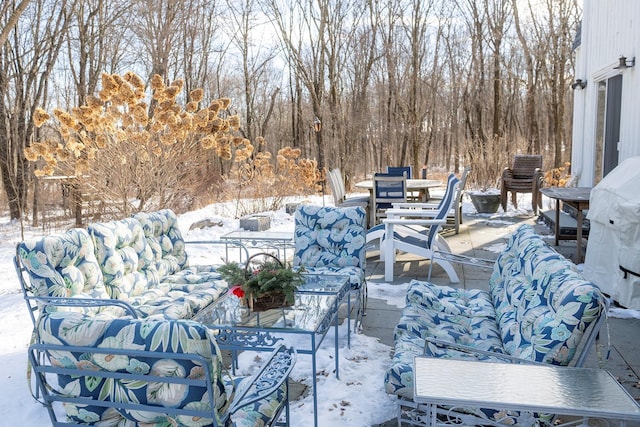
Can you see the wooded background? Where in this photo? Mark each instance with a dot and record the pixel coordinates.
(441, 83)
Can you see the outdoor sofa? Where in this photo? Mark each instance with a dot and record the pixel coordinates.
(538, 309)
(107, 370)
(136, 266)
(112, 336)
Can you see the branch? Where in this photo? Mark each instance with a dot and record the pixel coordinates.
(13, 21)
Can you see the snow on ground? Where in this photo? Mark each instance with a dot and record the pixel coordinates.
(357, 398)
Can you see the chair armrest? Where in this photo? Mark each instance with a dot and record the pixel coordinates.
(413, 221)
(85, 302)
(538, 179)
(411, 213)
(507, 173)
(478, 352)
(267, 380)
(416, 205)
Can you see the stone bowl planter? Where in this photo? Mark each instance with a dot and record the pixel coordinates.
(485, 201)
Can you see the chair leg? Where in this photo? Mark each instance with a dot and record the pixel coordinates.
(448, 268)
(514, 199)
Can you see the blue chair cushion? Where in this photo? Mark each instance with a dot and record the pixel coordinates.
(330, 239)
(138, 336)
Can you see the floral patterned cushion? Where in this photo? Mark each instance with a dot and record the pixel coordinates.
(166, 242)
(543, 304)
(130, 269)
(538, 309)
(331, 240)
(116, 260)
(126, 260)
(166, 336)
(440, 312)
(63, 265)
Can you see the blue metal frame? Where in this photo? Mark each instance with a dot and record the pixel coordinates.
(257, 337)
(267, 380)
(258, 240)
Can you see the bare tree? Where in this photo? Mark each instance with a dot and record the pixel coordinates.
(389, 81)
(199, 45)
(308, 60)
(94, 41)
(12, 12)
(256, 56)
(475, 91)
(26, 63)
(359, 80)
(553, 30)
(497, 14)
(531, 135)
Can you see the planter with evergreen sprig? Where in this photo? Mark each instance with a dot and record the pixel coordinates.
(264, 284)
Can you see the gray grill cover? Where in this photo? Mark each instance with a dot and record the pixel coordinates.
(613, 252)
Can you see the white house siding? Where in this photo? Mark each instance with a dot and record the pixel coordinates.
(610, 28)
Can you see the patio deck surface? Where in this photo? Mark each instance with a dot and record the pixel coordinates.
(482, 238)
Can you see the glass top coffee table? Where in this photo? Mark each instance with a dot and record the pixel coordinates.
(263, 240)
(539, 388)
(306, 322)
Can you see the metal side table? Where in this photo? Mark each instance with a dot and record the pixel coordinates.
(309, 320)
(263, 240)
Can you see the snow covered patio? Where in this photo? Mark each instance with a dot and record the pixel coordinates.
(484, 236)
(358, 397)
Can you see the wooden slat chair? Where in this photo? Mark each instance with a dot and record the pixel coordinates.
(525, 176)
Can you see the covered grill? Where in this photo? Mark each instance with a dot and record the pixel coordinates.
(613, 253)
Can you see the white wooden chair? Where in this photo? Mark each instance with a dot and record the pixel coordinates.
(412, 228)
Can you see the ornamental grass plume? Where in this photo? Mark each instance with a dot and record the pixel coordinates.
(135, 149)
(121, 114)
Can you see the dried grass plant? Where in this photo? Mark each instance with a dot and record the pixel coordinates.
(487, 163)
(259, 184)
(558, 177)
(146, 153)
